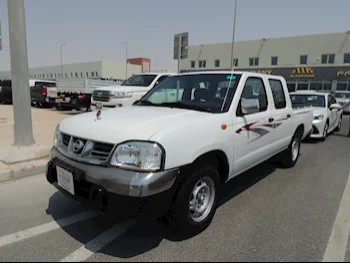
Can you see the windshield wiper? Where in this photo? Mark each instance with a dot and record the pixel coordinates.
(146, 102)
(182, 105)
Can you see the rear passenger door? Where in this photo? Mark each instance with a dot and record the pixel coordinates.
(251, 136)
(281, 115)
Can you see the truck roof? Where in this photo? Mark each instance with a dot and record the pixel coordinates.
(227, 72)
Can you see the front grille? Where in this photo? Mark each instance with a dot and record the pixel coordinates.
(85, 150)
(102, 96)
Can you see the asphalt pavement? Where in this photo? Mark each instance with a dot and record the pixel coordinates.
(267, 214)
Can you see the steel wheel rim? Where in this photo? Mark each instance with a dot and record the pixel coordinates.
(202, 199)
(295, 149)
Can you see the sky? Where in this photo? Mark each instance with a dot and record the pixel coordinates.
(94, 29)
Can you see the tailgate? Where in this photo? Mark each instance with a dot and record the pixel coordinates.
(52, 92)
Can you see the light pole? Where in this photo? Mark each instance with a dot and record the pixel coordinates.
(62, 58)
(233, 35)
(23, 129)
(126, 59)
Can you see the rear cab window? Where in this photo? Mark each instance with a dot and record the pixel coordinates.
(278, 94)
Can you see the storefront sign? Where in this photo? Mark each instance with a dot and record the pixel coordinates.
(303, 73)
(343, 73)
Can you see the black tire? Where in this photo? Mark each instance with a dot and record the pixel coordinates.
(290, 156)
(339, 124)
(325, 131)
(179, 216)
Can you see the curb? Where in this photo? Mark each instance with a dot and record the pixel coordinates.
(21, 172)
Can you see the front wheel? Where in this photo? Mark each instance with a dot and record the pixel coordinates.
(291, 155)
(196, 203)
(339, 124)
(325, 132)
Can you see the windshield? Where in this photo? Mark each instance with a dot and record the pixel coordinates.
(201, 92)
(139, 80)
(341, 95)
(308, 100)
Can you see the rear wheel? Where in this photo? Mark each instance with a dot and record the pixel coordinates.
(196, 203)
(291, 155)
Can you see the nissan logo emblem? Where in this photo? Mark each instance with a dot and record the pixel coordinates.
(78, 145)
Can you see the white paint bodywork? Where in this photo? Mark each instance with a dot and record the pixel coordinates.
(187, 134)
(332, 116)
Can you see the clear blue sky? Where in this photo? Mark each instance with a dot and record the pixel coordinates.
(92, 28)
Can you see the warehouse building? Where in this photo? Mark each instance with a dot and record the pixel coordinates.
(316, 62)
(92, 70)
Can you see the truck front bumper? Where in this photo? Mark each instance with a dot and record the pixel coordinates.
(106, 189)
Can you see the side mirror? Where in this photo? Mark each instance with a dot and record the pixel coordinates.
(335, 106)
(135, 102)
(250, 106)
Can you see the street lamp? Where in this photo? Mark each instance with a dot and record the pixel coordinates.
(233, 35)
(126, 59)
(61, 59)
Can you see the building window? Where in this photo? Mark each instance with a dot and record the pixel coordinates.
(87, 74)
(274, 61)
(96, 74)
(93, 74)
(347, 58)
(253, 61)
(76, 74)
(217, 63)
(303, 59)
(193, 64)
(51, 75)
(66, 76)
(81, 74)
(328, 59)
(341, 86)
(202, 63)
(235, 62)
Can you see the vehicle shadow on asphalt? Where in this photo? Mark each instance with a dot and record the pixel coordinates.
(146, 234)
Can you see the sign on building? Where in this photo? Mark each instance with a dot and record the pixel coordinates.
(181, 40)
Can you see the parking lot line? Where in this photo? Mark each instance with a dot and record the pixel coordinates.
(38, 230)
(93, 246)
(338, 240)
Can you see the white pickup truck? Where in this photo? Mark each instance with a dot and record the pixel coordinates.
(171, 152)
(128, 92)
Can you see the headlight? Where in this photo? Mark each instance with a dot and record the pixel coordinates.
(121, 94)
(318, 117)
(142, 156)
(57, 136)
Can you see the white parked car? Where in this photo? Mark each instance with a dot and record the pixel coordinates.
(327, 112)
(171, 152)
(343, 98)
(129, 91)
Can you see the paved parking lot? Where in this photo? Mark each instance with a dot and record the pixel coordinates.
(267, 214)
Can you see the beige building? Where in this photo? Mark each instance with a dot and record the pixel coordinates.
(307, 62)
(98, 70)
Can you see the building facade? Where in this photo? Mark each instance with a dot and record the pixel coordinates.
(317, 62)
(92, 70)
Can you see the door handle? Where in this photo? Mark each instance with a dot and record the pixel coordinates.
(271, 119)
(288, 116)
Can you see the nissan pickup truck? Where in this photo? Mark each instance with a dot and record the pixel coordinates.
(129, 91)
(168, 155)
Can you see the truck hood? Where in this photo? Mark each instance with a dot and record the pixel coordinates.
(129, 123)
(123, 88)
